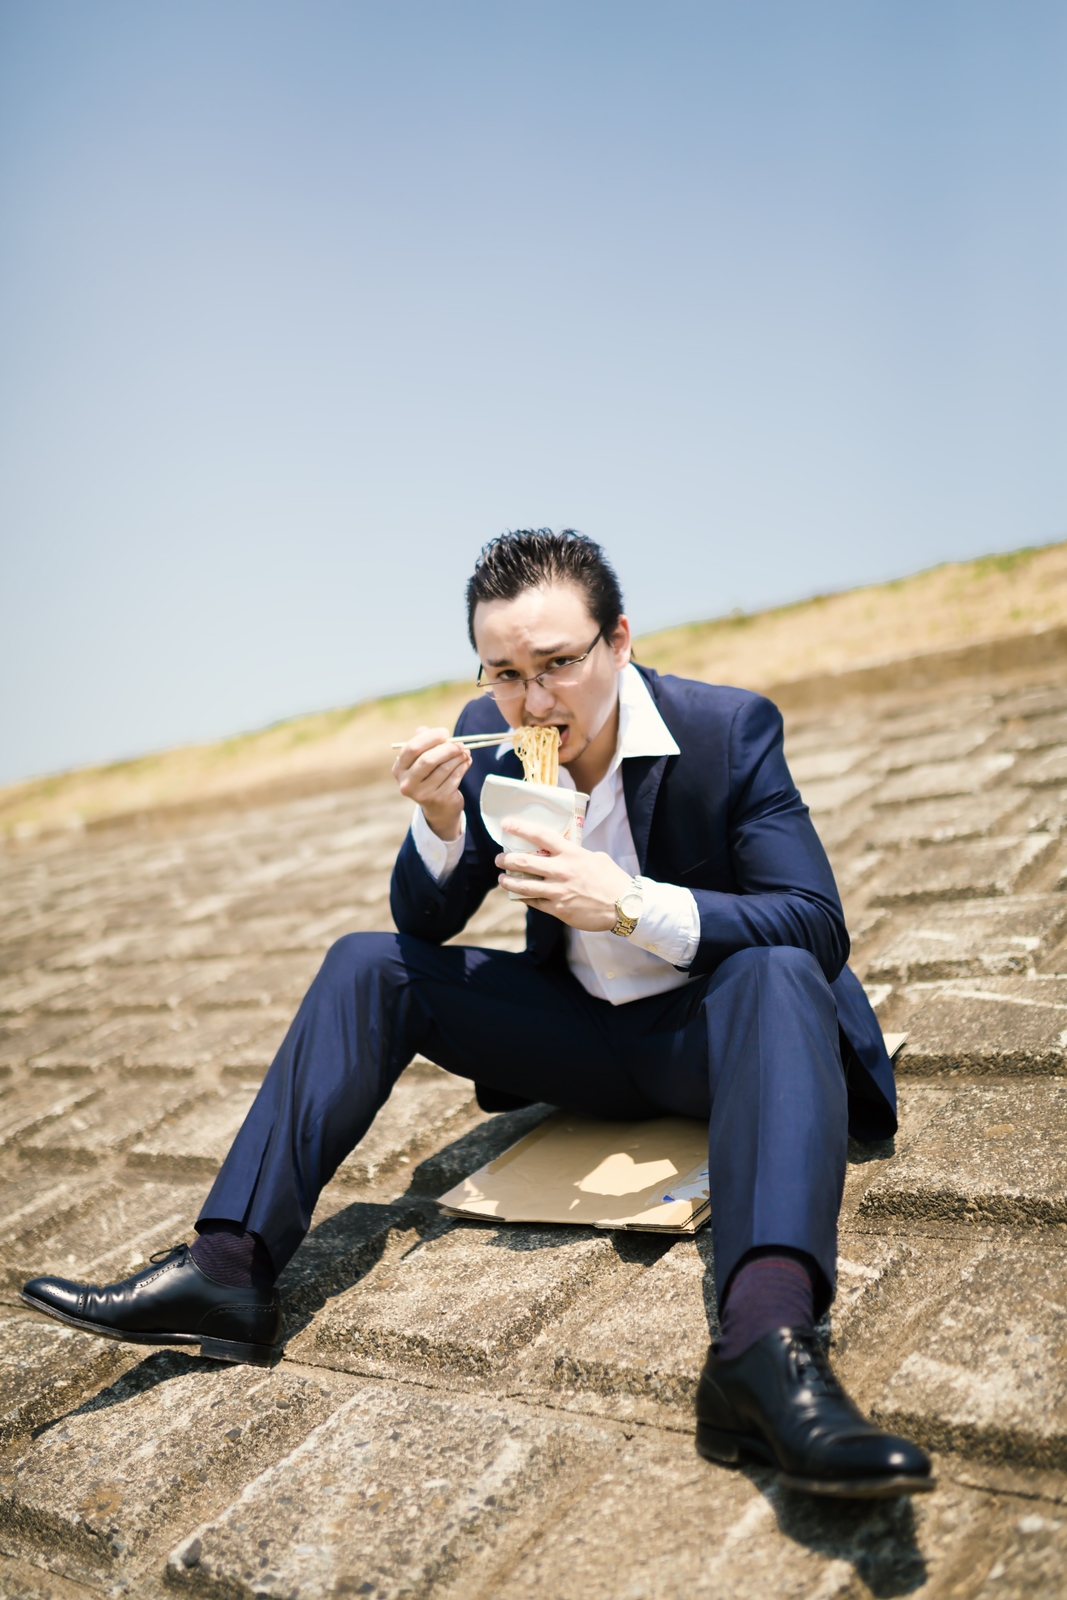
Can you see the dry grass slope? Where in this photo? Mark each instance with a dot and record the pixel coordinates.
(995, 597)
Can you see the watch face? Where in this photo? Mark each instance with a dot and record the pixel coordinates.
(631, 902)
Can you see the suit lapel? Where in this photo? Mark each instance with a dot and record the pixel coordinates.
(641, 778)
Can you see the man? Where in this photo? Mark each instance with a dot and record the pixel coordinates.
(690, 959)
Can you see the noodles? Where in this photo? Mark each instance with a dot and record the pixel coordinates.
(538, 750)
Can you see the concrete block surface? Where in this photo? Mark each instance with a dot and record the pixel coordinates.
(195, 1143)
(659, 1523)
(105, 1480)
(975, 937)
(991, 1154)
(1046, 770)
(651, 1338)
(1002, 1025)
(426, 1108)
(941, 821)
(929, 781)
(519, 1399)
(973, 870)
(988, 1375)
(110, 1232)
(46, 1369)
(397, 1493)
(904, 751)
(470, 1299)
(106, 1124)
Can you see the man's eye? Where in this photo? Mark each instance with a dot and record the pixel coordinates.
(558, 662)
(507, 676)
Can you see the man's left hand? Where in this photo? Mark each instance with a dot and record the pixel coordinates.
(580, 887)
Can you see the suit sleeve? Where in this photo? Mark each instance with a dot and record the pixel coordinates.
(436, 912)
(786, 890)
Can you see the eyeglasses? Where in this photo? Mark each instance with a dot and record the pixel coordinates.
(564, 676)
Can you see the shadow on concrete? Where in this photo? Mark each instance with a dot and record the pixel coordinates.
(860, 1151)
(448, 1166)
(159, 1367)
(877, 1538)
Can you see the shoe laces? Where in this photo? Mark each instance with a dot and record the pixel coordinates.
(811, 1364)
(165, 1255)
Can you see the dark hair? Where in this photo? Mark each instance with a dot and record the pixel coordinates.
(529, 558)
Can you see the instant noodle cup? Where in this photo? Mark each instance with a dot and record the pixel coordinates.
(562, 810)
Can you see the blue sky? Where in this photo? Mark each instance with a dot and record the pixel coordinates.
(301, 303)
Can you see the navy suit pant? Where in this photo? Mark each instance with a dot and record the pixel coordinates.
(752, 1049)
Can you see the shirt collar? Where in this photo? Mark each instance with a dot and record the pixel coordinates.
(642, 732)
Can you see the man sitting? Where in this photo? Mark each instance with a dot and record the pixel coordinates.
(690, 959)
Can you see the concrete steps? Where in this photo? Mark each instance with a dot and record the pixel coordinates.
(470, 1409)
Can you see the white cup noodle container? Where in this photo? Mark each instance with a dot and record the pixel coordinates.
(562, 810)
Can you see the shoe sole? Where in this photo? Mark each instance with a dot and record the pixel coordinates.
(860, 1489)
(232, 1350)
(735, 1449)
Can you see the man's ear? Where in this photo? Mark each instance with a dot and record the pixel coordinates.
(621, 642)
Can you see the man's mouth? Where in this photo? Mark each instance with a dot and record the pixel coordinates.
(564, 731)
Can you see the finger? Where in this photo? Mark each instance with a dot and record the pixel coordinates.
(527, 888)
(448, 750)
(421, 740)
(416, 746)
(440, 780)
(438, 764)
(431, 770)
(544, 838)
(518, 861)
(427, 793)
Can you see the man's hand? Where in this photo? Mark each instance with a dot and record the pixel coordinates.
(580, 887)
(429, 771)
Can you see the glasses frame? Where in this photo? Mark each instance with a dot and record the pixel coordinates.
(538, 677)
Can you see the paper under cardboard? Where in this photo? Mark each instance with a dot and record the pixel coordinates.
(650, 1176)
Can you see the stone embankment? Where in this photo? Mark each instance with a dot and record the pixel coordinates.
(484, 1411)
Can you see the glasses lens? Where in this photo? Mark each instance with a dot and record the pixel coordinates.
(564, 677)
(504, 691)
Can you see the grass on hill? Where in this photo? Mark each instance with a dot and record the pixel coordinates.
(958, 603)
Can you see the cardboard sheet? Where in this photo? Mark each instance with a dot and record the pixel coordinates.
(645, 1175)
(650, 1176)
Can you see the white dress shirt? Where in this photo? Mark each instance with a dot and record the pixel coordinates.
(668, 929)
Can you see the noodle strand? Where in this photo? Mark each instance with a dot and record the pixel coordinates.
(538, 750)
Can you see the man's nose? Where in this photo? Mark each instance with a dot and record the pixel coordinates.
(539, 700)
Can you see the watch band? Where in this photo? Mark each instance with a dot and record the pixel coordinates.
(625, 925)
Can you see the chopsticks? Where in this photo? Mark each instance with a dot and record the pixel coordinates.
(474, 741)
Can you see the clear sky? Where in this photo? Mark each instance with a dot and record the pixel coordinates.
(300, 303)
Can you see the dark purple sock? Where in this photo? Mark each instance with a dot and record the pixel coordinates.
(767, 1291)
(231, 1256)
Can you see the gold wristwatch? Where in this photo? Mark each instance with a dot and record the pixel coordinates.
(628, 909)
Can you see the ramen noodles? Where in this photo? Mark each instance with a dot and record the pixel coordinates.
(538, 750)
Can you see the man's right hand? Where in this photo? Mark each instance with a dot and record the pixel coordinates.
(429, 771)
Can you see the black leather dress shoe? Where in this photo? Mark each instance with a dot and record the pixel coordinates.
(171, 1302)
(780, 1404)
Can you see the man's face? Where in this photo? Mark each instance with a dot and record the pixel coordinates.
(542, 629)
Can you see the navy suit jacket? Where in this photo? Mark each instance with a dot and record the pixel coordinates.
(724, 819)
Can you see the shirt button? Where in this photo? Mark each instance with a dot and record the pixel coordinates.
(609, 974)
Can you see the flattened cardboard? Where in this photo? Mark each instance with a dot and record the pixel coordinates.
(649, 1176)
(645, 1175)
